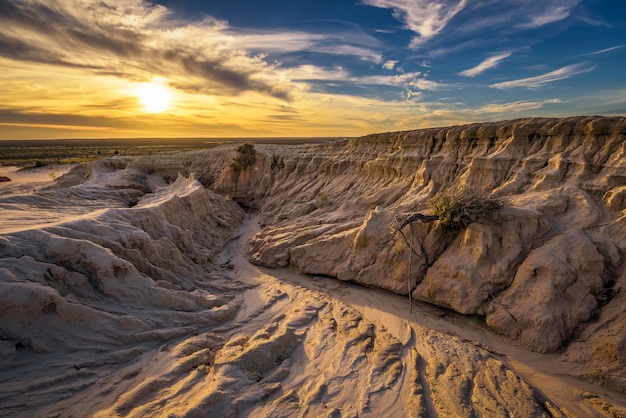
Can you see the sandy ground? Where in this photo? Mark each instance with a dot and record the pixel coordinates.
(542, 371)
(19, 211)
(31, 178)
(120, 302)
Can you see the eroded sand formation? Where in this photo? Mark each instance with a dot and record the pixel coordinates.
(137, 298)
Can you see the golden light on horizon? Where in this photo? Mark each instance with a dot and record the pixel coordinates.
(154, 97)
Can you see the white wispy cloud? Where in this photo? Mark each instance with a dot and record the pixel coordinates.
(488, 63)
(282, 42)
(551, 16)
(357, 44)
(409, 81)
(390, 64)
(544, 79)
(363, 53)
(308, 72)
(603, 51)
(429, 85)
(429, 18)
(514, 107)
(555, 11)
(424, 17)
(502, 20)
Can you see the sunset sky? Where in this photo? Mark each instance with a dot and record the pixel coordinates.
(250, 68)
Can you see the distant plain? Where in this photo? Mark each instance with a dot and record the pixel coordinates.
(38, 153)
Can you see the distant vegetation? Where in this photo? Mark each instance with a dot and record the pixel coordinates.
(245, 158)
(458, 210)
(31, 153)
(39, 153)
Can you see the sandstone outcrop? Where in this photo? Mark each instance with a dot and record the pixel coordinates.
(542, 270)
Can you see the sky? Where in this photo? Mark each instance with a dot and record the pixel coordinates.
(302, 68)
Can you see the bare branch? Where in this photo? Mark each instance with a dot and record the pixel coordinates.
(416, 217)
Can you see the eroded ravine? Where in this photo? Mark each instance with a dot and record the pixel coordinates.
(546, 269)
(551, 388)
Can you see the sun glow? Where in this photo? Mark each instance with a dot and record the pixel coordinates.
(154, 97)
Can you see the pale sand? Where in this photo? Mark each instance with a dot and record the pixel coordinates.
(392, 312)
(16, 212)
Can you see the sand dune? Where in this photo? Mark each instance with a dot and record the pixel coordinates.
(139, 298)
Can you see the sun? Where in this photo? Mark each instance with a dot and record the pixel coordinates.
(154, 97)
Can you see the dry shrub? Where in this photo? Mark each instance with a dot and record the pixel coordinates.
(245, 158)
(458, 210)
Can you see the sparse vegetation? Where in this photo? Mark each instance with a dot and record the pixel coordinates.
(322, 200)
(245, 158)
(39, 153)
(458, 210)
(454, 211)
(25, 153)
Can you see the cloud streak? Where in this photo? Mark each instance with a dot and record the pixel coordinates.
(553, 13)
(540, 81)
(603, 51)
(424, 17)
(410, 80)
(487, 64)
(516, 107)
(428, 19)
(356, 43)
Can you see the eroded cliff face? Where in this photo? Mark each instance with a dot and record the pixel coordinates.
(544, 270)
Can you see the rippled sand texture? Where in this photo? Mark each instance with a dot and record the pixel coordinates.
(139, 299)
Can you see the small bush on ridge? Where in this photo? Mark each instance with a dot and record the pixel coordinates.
(245, 158)
(458, 210)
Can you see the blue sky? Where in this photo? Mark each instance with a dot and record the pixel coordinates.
(303, 68)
